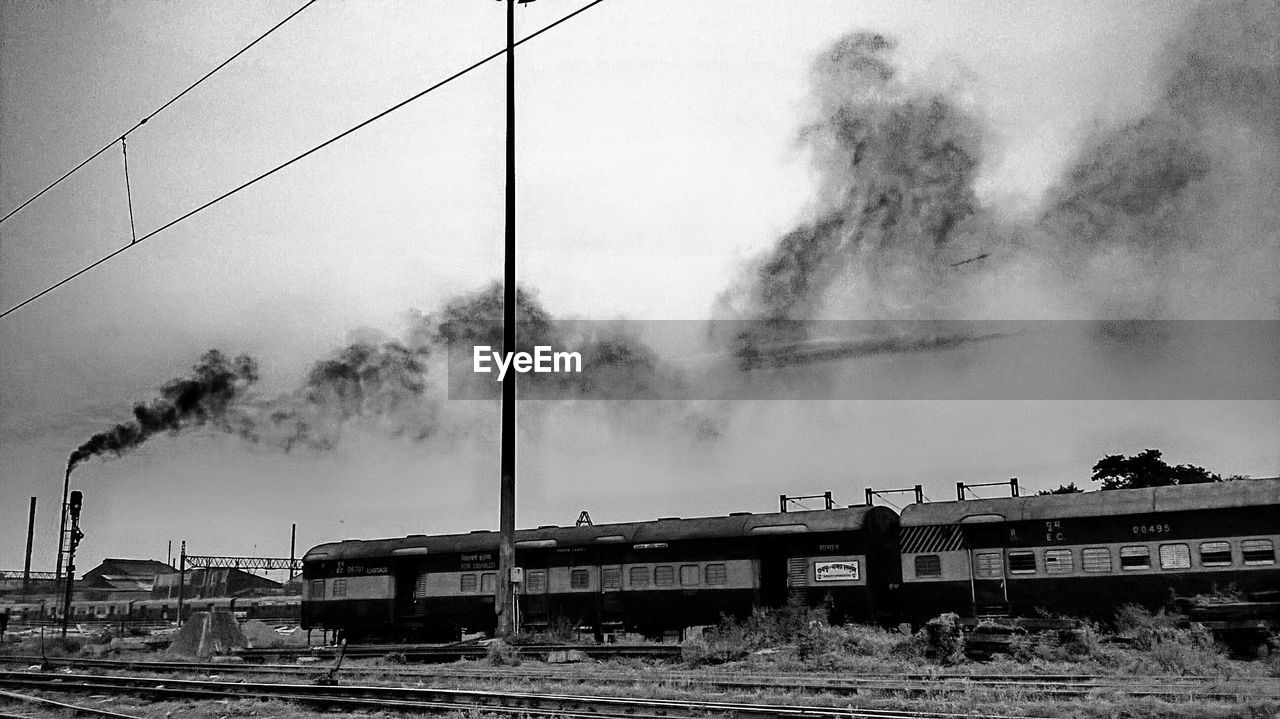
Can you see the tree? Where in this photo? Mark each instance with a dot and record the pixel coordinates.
(1147, 469)
(1062, 489)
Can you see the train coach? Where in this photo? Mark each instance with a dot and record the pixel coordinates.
(645, 577)
(1086, 554)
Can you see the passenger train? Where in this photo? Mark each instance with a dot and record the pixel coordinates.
(1072, 554)
(283, 608)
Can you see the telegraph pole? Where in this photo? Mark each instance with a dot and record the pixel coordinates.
(503, 592)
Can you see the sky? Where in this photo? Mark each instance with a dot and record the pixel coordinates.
(661, 152)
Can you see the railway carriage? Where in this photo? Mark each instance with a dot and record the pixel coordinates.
(1087, 554)
(646, 577)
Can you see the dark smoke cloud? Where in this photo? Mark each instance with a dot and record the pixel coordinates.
(382, 385)
(203, 398)
(368, 381)
(1174, 211)
(1171, 215)
(897, 168)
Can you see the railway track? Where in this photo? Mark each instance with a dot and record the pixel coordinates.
(436, 699)
(1049, 686)
(451, 653)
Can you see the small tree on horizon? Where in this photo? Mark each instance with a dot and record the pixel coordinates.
(1147, 469)
(1062, 489)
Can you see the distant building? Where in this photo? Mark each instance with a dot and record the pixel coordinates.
(225, 582)
(121, 579)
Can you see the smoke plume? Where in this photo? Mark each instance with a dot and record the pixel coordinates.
(1171, 215)
(203, 398)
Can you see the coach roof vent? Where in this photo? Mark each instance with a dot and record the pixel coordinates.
(739, 514)
(668, 519)
(780, 529)
(548, 526)
(480, 531)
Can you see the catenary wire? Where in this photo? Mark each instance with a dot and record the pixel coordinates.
(287, 163)
(128, 190)
(157, 111)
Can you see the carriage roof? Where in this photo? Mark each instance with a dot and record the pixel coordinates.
(672, 529)
(1153, 500)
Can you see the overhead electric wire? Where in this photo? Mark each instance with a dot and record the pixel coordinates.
(128, 191)
(289, 162)
(157, 111)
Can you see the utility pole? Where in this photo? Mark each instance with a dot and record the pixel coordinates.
(293, 543)
(504, 599)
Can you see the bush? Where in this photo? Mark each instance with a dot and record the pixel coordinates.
(1167, 642)
(501, 654)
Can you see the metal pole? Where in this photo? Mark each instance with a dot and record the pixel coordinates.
(507, 503)
(168, 554)
(26, 565)
(182, 577)
(293, 543)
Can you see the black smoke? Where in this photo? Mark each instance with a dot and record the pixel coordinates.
(205, 397)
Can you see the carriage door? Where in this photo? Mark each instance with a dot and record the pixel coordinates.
(611, 613)
(534, 612)
(990, 591)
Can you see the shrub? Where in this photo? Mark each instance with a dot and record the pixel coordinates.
(501, 654)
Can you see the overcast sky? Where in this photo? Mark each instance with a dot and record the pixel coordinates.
(658, 155)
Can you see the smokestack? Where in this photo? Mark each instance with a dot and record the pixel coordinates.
(26, 566)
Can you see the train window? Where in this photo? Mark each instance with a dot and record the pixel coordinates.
(420, 587)
(716, 575)
(1095, 559)
(928, 565)
(317, 589)
(639, 576)
(689, 575)
(1022, 562)
(579, 579)
(1215, 554)
(1175, 556)
(488, 582)
(987, 566)
(535, 580)
(610, 578)
(1135, 557)
(467, 583)
(339, 588)
(664, 575)
(1258, 551)
(1060, 561)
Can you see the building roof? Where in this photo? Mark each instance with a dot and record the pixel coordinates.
(1152, 500)
(662, 530)
(129, 568)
